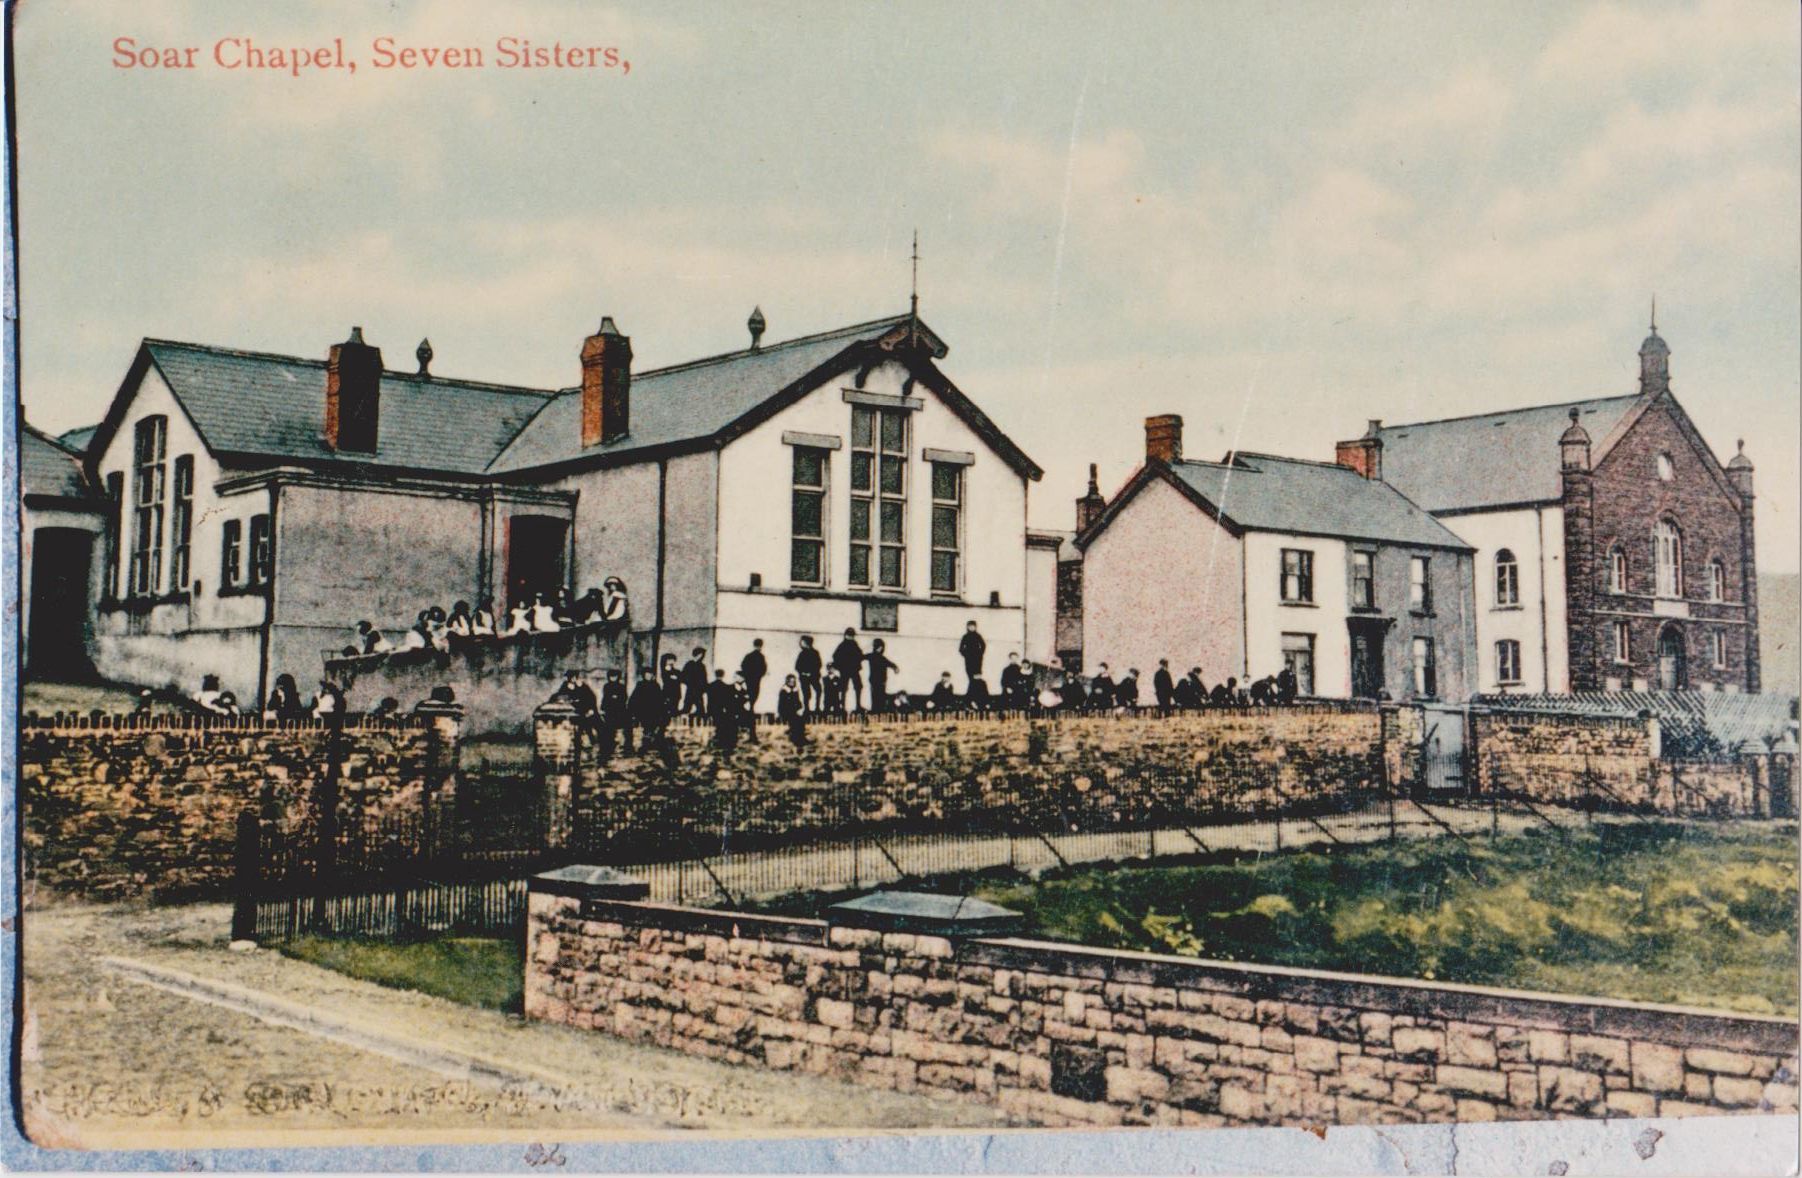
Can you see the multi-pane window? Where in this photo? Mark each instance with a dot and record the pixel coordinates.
(1717, 647)
(1507, 661)
(807, 524)
(1668, 550)
(1363, 580)
(262, 556)
(1507, 578)
(1717, 580)
(149, 492)
(1617, 569)
(1426, 670)
(115, 497)
(1298, 575)
(1298, 657)
(947, 526)
(1623, 643)
(879, 496)
(181, 522)
(231, 553)
(1420, 583)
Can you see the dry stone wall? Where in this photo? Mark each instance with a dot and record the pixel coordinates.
(1064, 1035)
(125, 807)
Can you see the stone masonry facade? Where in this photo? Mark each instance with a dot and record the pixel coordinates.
(1065, 1035)
(125, 807)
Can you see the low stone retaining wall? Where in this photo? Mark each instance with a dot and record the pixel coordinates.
(1613, 762)
(1065, 1035)
(121, 807)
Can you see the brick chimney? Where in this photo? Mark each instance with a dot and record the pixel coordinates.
(353, 395)
(1164, 438)
(1365, 454)
(606, 385)
(1090, 507)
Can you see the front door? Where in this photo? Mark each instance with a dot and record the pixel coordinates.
(1672, 675)
(535, 546)
(1367, 656)
(61, 559)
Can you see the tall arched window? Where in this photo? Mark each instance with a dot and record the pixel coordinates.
(1617, 569)
(1668, 552)
(1507, 578)
(1717, 580)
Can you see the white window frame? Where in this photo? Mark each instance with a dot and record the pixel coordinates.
(1622, 643)
(955, 550)
(1507, 661)
(1667, 556)
(1296, 587)
(1420, 584)
(823, 492)
(1507, 579)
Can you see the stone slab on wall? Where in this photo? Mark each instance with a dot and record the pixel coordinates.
(131, 808)
(1066, 1035)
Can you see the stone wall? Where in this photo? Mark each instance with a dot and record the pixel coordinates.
(1064, 1035)
(498, 681)
(1612, 762)
(907, 768)
(126, 807)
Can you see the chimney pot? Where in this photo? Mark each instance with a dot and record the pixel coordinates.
(1164, 438)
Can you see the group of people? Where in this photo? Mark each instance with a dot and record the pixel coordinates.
(434, 629)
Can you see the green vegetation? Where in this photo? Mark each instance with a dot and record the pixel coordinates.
(1697, 914)
(477, 971)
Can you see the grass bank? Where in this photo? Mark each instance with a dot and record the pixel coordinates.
(1697, 914)
(477, 971)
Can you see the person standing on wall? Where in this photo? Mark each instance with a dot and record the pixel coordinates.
(848, 658)
(722, 706)
(880, 666)
(754, 667)
(647, 709)
(1163, 686)
(807, 674)
(973, 647)
(614, 719)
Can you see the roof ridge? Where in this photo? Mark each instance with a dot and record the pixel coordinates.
(387, 373)
(814, 338)
(1297, 461)
(41, 436)
(1509, 412)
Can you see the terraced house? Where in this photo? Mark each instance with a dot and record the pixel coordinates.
(1614, 550)
(258, 505)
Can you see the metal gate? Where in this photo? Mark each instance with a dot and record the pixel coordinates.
(1442, 751)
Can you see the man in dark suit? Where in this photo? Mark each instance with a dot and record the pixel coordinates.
(807, 674)
(754, 667)
(973, 647)
(1163, 685)
(695, 696)
(848, 658)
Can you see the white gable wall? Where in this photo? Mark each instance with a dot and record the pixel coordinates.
(1536, 537)
(1268, 617)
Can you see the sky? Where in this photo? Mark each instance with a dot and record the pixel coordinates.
(1278, 220)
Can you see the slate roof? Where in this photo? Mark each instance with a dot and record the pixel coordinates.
(78, 439)
(47, 467)
(258, 406)
(1262, 492)
(684, 402)
(1493, 458)
(1694, 724)
(270, 406)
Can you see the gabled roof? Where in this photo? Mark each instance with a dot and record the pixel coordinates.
(1266, 493)
(1492, 459)
(252, 407)
(715, 399)
(50, 470)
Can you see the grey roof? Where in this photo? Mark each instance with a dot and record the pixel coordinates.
(1493, 458)
(78, 439)
(46, 467)
(1262, 492)
(685, 402)
(1693, 724)
(274, 406)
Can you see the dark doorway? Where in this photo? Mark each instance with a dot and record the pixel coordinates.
(1672, 674)
(1366, 656)
(57, 648)
(535, 545)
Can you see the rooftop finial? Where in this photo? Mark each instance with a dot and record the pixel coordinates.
(913, 301)
(1654, 314)
(756, 325)
(424, 352)
(1574, 414)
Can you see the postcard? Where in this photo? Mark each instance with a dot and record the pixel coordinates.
(929, 586)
